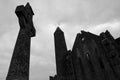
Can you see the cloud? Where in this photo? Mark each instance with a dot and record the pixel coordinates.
(76, 12)
(113, 27)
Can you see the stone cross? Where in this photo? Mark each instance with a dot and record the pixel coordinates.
(19, 66)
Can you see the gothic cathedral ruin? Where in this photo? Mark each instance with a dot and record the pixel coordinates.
(93, 57)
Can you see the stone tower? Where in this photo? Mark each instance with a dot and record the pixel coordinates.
(64, 65)
(19, 66)
(60, 50)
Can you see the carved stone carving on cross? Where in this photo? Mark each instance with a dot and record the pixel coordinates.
(25, 15)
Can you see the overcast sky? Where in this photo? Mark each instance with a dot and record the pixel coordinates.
(71, 15)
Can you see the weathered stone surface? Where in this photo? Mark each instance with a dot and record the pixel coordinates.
(20, 62)
(93, 57)
(60, 51)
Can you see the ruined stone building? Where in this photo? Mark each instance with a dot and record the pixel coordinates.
(93, 57)
(19, 66)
